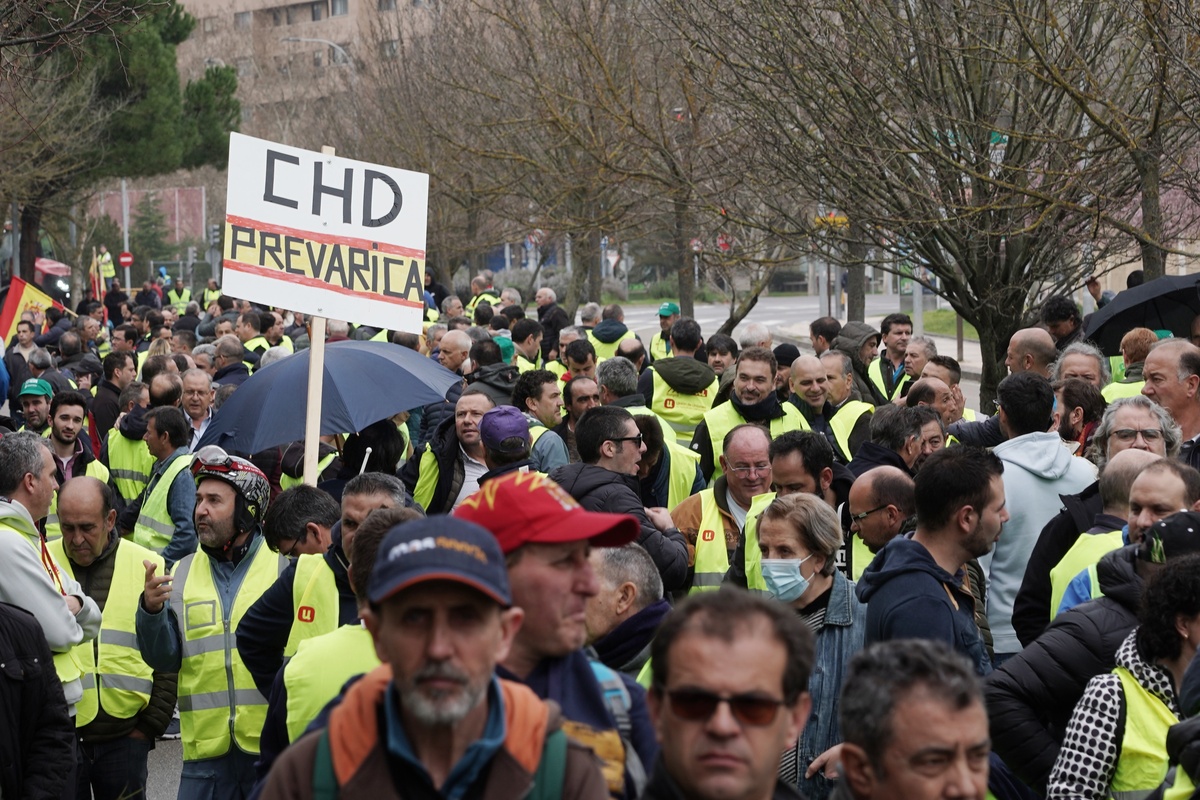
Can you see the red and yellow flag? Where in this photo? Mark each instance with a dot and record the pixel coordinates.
(22, 297)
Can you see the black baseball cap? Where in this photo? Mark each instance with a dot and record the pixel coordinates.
(439, 548)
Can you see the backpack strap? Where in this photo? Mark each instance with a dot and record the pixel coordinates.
(552, 769)
(619, 702)
(324, 781)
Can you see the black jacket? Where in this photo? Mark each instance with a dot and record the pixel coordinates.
(444, 445)
(599, 489)
(663, 787)
(872, 455)
(232, 374)
(105, 407)
(264, 629)
(1031, 697)
(497, 381)
(1031, 608)
(18, 373)
(553, 320)
(981, 433)
(37, 737)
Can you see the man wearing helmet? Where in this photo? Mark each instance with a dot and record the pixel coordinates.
(186, 622)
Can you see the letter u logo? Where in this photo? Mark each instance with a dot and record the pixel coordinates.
(306, 614)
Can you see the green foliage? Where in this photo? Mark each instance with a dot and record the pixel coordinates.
(213, 109)
(148, 235)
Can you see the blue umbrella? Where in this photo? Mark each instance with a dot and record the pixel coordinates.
(364, 383)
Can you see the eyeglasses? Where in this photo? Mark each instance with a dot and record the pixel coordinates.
(865, 514)
(697, 705)
(635, 439)
(746, 472)
(291, 551)
(1130, 434)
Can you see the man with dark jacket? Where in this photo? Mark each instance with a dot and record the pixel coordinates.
(609, 332)
(553, 320)
(490, 375)
(1031, 696)
(120, 370)
(449, 466)
(860, 342)
(606, 480)
(895, 441)
(624, 615)
(16, 361)
(915, 588)
(231, 370)
(37, 736)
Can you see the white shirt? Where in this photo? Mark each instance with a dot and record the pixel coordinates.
(472, 470)
(738, 513)
(198, 432)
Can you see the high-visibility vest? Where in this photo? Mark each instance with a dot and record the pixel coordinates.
(53, 530)
(1087, 551)
(557, 367)
(859, 556)
(380, 336)
(130, 463)
(315, 600)
(753, 553)
(682, 476)
(682, 412)
(712, 554)
(287, 481)
(843, 422)
(488, 296)
(1116, 365)
(107, 270)
(725, 417)
(875, 373)
(969, 414)
(287, 344)
(258, 344)
(1183, 788)
(210, 296)
(1117, 390)
(115, 677)
(427, 478)
(319, 670)
(525, 365)
(607, 349)
(1142, 763)
(660, 346)
(154, 527)
(179, 300)
(219, 704)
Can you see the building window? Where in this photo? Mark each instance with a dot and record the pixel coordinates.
(339, 8)
(318, 59)
(242, 20)
(277, 16)
(338, 55)
(295, 14)
(316, 11)
(389, 49)
(209, 24)
(387, 5)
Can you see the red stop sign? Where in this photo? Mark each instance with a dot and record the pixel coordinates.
(125, 259)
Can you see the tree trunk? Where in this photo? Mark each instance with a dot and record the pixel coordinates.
(856, 275)
(739, 311)
(31, 223)
(1154, 261)
(579, 277)
(685, 271)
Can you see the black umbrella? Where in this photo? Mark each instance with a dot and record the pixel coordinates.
(1169, 303)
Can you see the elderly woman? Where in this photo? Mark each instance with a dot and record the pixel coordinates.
(1116, 741)
(799, 536)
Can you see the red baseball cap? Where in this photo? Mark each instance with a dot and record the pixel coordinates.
(524, 507)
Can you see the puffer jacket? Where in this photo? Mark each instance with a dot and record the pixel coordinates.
(1031, 696)
(444, 447)
(850, 341)
(599, 489)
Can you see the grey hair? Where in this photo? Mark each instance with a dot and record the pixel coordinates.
(574, 330)
(337, 327)
(1082, 349)
(192, 308)
(378, 483)
(590, 312)
(433, 331)
(1172, 434)
(512, 295)
(926, 344)
(754, 334)
(196, 372)
(20, 455)
(891, 426)
(847, 365)
(272, 355)
(553, 295)
(815, 522)
(632, 563)
(209, 350)
(884, 674)
(41, 359)
(618, 375)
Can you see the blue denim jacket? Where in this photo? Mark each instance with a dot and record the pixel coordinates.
(838, 640)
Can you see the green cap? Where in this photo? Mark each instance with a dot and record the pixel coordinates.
(36, 386)
(668, 309)
(506, 348)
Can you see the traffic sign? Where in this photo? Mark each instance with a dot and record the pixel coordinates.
(125, 259)
(724, 242)
(697, 246)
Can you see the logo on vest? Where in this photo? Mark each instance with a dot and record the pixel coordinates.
(708, 536)
(306, 613)
(668, 403)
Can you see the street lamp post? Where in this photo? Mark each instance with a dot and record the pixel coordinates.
(345, 55)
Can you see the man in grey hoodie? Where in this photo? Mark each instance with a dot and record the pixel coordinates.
(860, 342)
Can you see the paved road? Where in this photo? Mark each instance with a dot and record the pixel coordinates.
(165, 762)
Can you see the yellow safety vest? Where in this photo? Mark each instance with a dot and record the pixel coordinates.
(682, 412)
(1088, 549)
(659, 346)
(754, 577)
(712, 555)
(315, 600)
(1117, 390)
(969, 414)
(525, 365)
(130, 462)
(319, 670)
(557, 367)
(218, 702)
(1142, 761)
(107, 270)
(259, 345)
(427, 478)
(210, 296)
(682, 476)
(646, 676)
(725, 417)
(843, 422)
(1182, 789)
(115, 677)
(179, 300)
(154, 527)
(286, 342)
(488, 296)
(860, 557)
(607, 349)
(287, 481)
(53, 530)
(1116, 365)
(875, 373)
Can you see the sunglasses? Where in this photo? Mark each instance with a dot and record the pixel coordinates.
(697, 705)
(637, 440)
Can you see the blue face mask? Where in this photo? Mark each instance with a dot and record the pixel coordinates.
(784, 579)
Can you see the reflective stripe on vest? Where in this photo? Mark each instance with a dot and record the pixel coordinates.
(607, 349)
(95, 470)
(724, 418)
(115, 677)
(210, 296)
(259, 345)
(287, 481)
(1086, 552)
(130, 463)
(659, 346)
(218, 702)
(712, 554)
(427, 478)
(315, 601)
(319, 670)
(682, 412)
(1183, 788)
(843, 422)
(1142, 761)
(154, 527)
(682, 476)
(875, 373)
(1115, 391)
(754, 578)
(488, 296)
(179, 300)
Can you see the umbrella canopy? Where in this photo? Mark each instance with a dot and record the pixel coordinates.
(364, 382)
(1169, 303)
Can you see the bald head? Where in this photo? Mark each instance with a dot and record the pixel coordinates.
(1118, 476)
(809, 381)
(453, 350)
(889, 486)
(1031, 350)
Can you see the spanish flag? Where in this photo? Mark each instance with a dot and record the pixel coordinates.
(22, 297)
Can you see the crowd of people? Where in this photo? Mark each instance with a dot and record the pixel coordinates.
(689, 567)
